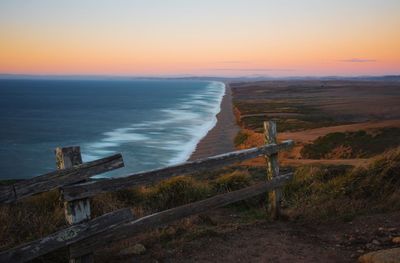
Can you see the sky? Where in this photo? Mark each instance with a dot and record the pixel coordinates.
(202, 37)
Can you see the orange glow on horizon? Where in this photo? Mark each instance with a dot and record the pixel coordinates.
(324, 45)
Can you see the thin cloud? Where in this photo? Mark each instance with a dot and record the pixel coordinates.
(254, 69)
(232, 62)
(358, 60)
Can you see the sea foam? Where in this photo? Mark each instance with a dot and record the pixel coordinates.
(169, 139)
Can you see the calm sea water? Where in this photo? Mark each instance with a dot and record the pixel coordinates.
(153, 123)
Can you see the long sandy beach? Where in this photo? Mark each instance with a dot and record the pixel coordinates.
(220, 138)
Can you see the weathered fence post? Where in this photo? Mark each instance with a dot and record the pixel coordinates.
(274, 197)
(76, 211)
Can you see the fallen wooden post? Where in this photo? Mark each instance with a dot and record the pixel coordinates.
(93, 188)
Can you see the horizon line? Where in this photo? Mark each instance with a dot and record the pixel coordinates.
(173, 76)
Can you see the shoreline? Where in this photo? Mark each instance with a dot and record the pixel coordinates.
(220, 139)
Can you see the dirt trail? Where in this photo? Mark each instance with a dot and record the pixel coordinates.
(299, 162)
(308, 136)
(276, 242)
(352, 162)
(280, 241)
(295, 242)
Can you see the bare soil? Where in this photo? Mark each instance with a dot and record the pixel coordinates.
(308, 136)
(281, 241)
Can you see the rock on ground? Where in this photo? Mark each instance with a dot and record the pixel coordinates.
(381, 256)
(137, 249)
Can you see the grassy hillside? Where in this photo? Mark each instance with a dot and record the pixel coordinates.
(342, 192)
(289, 115)
(305, 104)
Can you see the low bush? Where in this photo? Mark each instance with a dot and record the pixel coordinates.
(231, 181)
(175, 192)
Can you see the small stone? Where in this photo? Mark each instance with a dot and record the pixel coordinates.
(381, 256)
(370, 246)
(392, 229)
(360, 251)
(396, 240)
(376, 242)
(137, 249)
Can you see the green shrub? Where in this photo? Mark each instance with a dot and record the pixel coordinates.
(232, 181)
(236, 180)
(175, 192)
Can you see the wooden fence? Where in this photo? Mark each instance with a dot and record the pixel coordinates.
(83, 235)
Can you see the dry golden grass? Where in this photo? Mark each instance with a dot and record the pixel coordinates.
(31, 219)
(331, 192)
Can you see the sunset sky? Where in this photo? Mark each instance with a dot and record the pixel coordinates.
(204, 37)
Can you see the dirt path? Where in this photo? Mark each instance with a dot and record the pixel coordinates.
(260, 162)
(277, 242)
(296, 242)
(352, 162)
(308, 136)
(281, 241)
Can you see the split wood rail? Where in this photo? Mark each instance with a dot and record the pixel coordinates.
(84, 235)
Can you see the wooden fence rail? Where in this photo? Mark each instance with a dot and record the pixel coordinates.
(83, 235)
(80, 191)
(59, 178)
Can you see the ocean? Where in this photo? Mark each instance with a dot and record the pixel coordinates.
(152, 123)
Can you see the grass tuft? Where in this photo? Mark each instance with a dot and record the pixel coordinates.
(174, 192)
(232, 181)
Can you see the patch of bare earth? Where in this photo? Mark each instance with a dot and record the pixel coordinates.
(352, 162)
(308, 136)
(282, 241)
